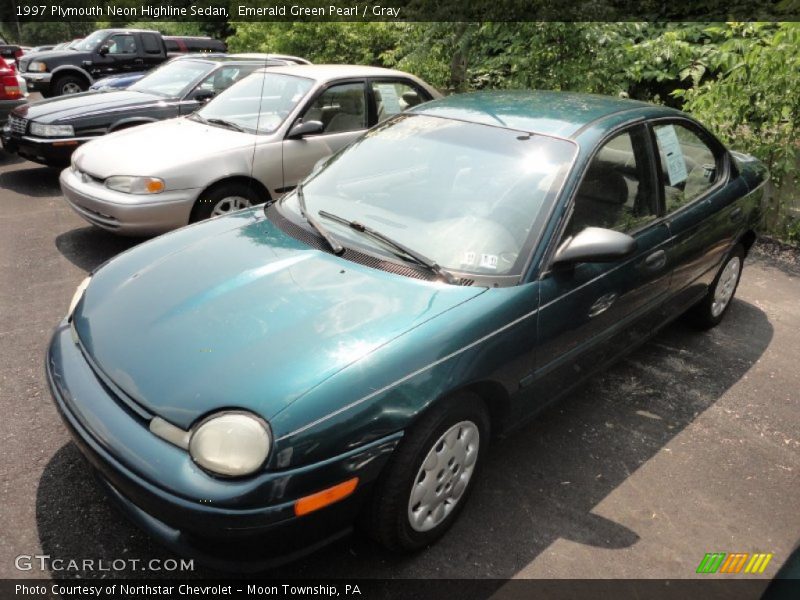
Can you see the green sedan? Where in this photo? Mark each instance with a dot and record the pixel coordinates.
(250, 387)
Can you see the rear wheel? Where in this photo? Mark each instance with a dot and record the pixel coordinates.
(223, 199)
(710, 311)
(69, 84)
(425, 486)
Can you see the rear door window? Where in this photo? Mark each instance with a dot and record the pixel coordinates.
(393, 97)
(688, 165)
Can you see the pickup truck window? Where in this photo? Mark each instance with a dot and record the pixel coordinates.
(121, 43)
(151, 43)
(90, 43)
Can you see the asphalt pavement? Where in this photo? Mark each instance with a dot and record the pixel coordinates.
(690, 445)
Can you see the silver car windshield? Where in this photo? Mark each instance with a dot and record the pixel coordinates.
(470, 197)
(259, 103)
(171, 79)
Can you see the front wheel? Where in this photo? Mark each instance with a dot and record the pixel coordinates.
(223, 199)
(69, 84)
(711, 309)
(426, 485)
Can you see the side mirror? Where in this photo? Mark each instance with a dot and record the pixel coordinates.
(203, 95)
(595, 244)
(305, 128)
(103, 50)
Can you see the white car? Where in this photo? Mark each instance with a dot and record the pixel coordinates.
(251, 144)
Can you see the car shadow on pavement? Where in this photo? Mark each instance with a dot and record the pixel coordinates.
(38, 181)
(8, 158)
(89, 247)
(538, 485)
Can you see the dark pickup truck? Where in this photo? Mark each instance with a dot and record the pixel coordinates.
(105, 52)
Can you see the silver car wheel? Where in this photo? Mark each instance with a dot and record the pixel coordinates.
(70, 88)
(444, 476)
(723, 292)
(230, 204)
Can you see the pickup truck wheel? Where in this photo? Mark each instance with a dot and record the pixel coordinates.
(223, 199)
(69, 84)
(711, 309)
(426, 484)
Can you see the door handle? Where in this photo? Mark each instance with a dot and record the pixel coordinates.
(736, 213)
(138, 61)
(602, 304)
(656, 260)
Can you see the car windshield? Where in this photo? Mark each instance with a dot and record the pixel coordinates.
(89, 43)
(171, 79)
(259, 103)
(470, 197)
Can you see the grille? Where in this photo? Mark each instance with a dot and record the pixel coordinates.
(361, 258)
(17, 124)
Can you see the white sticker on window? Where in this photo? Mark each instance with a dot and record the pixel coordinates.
(673, 154)
(488, 261)
(469, 258)
(389, 98)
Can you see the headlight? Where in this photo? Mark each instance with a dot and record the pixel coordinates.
(44, 130)
(135, 185)
(37, 66)
(233, 444)
(76, 297)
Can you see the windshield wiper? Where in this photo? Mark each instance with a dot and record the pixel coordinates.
(332, 241)
(400, 249)
(196, 117)
(224, 123)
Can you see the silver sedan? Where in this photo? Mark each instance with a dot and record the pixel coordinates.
(249, 145)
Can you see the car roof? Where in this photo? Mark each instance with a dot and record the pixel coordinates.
(325, 72)
(225, 58)
(562, 114)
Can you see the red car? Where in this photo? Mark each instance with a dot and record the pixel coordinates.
(12, 90)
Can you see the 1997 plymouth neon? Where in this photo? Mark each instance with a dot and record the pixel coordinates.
(264, 378)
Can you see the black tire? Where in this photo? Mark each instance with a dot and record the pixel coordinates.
(210, 198)
(388, 517)
(704, 315)
(65, 83)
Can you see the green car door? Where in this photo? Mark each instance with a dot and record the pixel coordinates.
(705, 218)
(592, 312)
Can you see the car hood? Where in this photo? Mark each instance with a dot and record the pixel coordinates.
(73, 106)
(233, 313)
(154, 149)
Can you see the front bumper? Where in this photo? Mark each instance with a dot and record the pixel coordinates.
(37, 81)
(127, 214)
(53, 152)
(246, 523)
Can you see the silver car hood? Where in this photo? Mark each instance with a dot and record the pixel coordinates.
(157, 148)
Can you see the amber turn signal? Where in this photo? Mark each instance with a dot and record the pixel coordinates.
(324, 498)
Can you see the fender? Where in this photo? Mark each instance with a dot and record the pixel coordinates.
(63, 69)
(123, 123)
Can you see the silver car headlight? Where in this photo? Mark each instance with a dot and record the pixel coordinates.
(45, 130)
(76, 297)
(232, 444)
(135, 185)
(37, 66)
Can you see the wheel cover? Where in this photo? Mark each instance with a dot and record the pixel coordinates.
(444, 476)
(723, 292)
(71, 88)
(230, 204)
